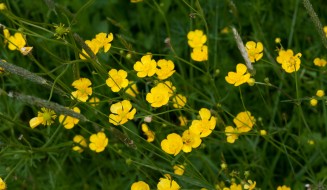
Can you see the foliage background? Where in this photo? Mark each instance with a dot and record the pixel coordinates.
(283, 157)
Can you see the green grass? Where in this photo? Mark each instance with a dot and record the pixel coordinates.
(42, 158)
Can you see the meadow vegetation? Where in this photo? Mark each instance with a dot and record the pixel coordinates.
(163, 94)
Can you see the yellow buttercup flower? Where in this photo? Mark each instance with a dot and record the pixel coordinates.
(284, 187)
(179, 101)
(225, 30)
(103, 40)
(173, 144)
(158, 95)
(170, 88)
(182, 120)
(61, 31)
(313, 102)
(2, 7)
(244, 121)
(132, 89)
(320, 93)
(44, 117)
(25, 50)
(94, 101)
(251, 82)
(320, 62)
(254, 50)
(18, 42)
(196, 38)
(290, 62)
(179, 169)
(146, 67)
(234, 186)
(83, 90)
(117, 80)
(167, 183)
(121, 112)
(165, 70)
(98, 142)
(150, 134)
(140, 185)
(6, 35)
(80, 143)
(200, 53)
(69, 122)
(263, 132)
(311, 142)
(190, 140)
(231, 133)
(206, 125)
(250, 185)
(94, 47)
(239, 77)
(325, 30)
(277, 40)
(3, 185)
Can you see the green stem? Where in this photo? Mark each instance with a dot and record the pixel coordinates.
(54, 82)
(290, 37)
(52, 137)
(12, 170)
(241, 96)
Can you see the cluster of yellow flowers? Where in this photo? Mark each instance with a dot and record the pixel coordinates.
(319, 94)
(241, 76)
(148, 67)
(69, 122)
(101, 40)
(237, 183)
(120, 110)
(234, 186)
(290, 63)
(46, 117)
(80, 142)
(159, 95)
(160, 92)
(191, 137)
(196, 40)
